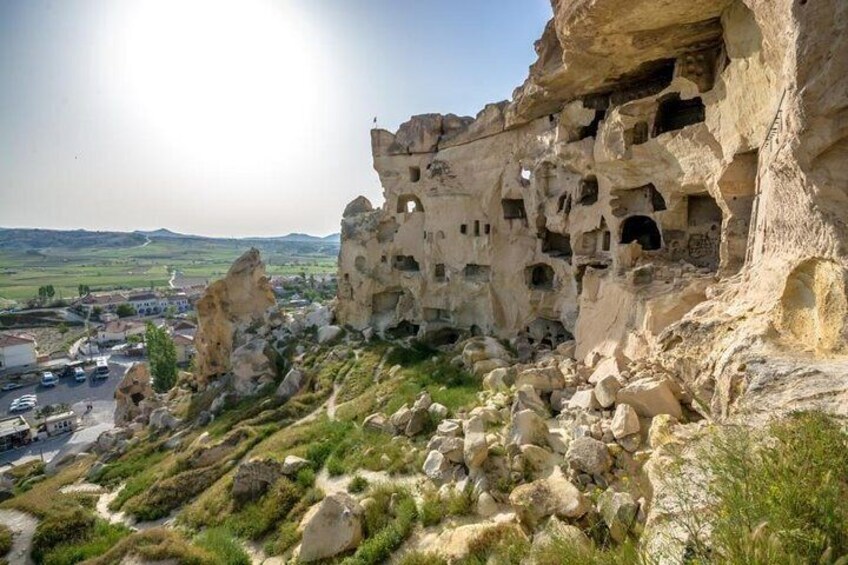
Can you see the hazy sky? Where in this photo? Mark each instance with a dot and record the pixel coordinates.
(244, 117)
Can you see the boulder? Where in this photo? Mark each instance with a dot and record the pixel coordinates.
(254, 477)
(588, 455)
(292, 465)
(497, 379)
(551, 496)
(528, 428)
(475, 449)
(417, 422)
(557, 529)
(291, 385)
(650, 397)
(625, 421)
(486, 505)
(252, 367)
(526, 398)
(609, 367)
(618, 510)
(584, 400)
(449, 428)
(401, 417)
(331, 527)
(329, 334)
(544, 379)
(436, 466)
(438, 412)
(379, 422)
(606, 390)
(162, 419)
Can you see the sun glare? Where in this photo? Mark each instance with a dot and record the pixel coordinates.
(220, 82)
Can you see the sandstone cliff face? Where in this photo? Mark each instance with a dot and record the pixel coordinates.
(669, 182)
(227, 307)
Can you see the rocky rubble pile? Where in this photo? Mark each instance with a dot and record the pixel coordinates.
(549, 435)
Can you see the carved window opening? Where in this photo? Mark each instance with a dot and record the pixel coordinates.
(409, 203)
(674, 114)
(405, 263)
(606, 241)
(463, 229)
(476, 228)
(478, 273)
(588, 194)
(657, 200)
(513, 209)
(487, 229)
(414, 174)
(557, 244)
(643, 230)
(592, 129)
(439, 272)
(701, 209)
(540, 277)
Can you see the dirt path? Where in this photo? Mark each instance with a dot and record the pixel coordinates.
(23, 526)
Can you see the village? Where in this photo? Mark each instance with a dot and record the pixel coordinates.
(51, 392)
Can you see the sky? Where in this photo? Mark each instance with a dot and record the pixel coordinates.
(231, 118)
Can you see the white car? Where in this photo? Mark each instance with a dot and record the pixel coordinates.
(10, 386)
(32, 397)
(21, 405)
(49, 379)
(79, 374)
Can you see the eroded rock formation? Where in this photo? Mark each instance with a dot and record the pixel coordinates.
(668, 183)
(227, 307)
(134, 396)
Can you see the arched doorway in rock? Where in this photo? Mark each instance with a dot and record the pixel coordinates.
(643, 230)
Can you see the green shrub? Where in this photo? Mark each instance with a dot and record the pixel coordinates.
(305, 478)
(5, 539)
(432, 510)
(379, 546)
(26, 470)
(61, 527)
(503, 544)
(256, 519)
(357, 484)
(103, 536)
(335, 466)
(221, 543)
(421, 558)
(780, 496)
(287, 536)
(560, 551)
(460, 502)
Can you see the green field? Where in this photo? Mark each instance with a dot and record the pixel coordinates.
(22, 271)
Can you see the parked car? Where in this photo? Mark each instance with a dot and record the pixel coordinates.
(22, 405)
(79, 374)
(11, 385)
(49, 379)
(71, 369)
(101, 371)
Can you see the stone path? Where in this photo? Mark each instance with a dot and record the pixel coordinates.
(23, 526)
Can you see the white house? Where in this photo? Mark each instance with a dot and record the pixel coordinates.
(119, 331)
(17, 351)
(180, 302)
(146, 303)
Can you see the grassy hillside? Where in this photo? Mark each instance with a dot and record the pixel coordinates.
(106, 261)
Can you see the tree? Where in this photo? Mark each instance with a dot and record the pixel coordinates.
(62, 328)
(83, 289)
(163, 358)
(125, 310)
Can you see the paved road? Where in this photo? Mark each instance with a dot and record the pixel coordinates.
(68, 391)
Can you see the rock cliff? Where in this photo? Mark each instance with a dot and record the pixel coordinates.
(668, 183)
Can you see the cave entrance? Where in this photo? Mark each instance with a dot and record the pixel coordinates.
(513, 209)
(409, 203)
(557, 244)
(588, 194)
(540, 277)
(674, 114)
(643, 230)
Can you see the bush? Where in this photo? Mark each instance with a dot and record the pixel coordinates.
(26, 470)
(357, 484)
(61, 527)
(287, 537)
(305, 478)
(432, 509)
(220, 543)
(5, 540)
(258, 518)
(379, 547)
(780, 496)
(102, 538)
(503, 544)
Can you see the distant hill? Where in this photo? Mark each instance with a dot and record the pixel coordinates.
(25, 239)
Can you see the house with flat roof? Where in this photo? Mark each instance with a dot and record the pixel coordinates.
(17, 351)
(119, 330)
(184, 344)
(14, 432)
(61, 423)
